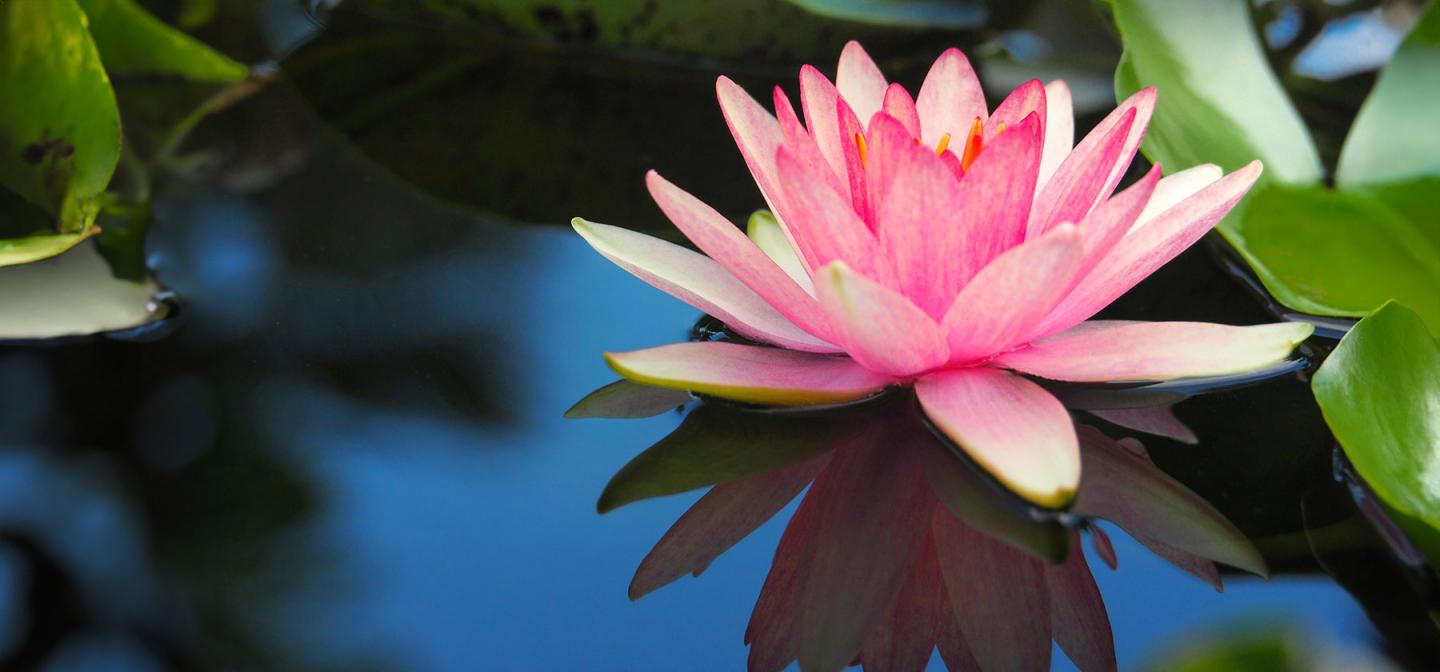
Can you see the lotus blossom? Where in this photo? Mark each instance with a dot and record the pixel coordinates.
(932, 241)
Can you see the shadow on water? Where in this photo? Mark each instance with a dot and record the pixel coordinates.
(345, 452)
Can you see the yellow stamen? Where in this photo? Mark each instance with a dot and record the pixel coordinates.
(974, 143)
(860, 145)
(943, 145)
(1000, 129)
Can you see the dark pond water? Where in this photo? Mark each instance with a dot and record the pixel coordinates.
(347, 450)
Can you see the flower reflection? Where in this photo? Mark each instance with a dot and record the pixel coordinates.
(931, 240)
(899, 547)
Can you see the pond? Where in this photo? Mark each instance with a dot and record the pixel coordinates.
(340, 441)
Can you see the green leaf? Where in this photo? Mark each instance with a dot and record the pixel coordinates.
(1380, 393)
(1338, 253)
(1219, 101)
(1394, 135)
(902, 13)
(15, 251)
(59, 127)
(717, 443)
(133, 42)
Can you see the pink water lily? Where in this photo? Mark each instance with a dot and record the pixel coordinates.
(932, 241)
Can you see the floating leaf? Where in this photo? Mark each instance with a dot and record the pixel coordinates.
(1380, 391)
(1394, 135)
(1219, 102)
(59, 127)
(1340, 253)
(73, 294)
(903, 13)
(133, 41)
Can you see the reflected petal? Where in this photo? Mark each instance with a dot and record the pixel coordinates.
(1157, 420)
(750, 373)
(1077, 613)
(903, 641)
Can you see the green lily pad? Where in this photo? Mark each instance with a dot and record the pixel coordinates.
(906, 13)
(59, 148)
(1336, 252)
(1394, 136)
(1379, 392)
(1219, 102)
(133, 42)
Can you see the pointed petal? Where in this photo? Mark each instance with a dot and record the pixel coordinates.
(1189, 563)
(1126, 489)
(1059, 130)
(1026, 99)
(903, 641)
(1079, 183)
(950, 99)
(724, 516)
(860, 81)
(1101, 351)
(1157, 420)
(950, 641)
(901, 106)
(699, 281)
(1077, 613)
(1149, 246)
(764, 230)
(819, 98)
(1100, 540)
(1143, 102)
(771, 632)
(628, 400)
(756, 133)
(881, 329)
(998, 596)
(824, 226)
(749, 373)
(802, 145)
(1107, 224)
(1014, 429)
(732, 249)
(872, 515)
(1007, 298)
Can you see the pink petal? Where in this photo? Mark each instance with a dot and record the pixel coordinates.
(1177, 187)
(1026, 99)
(819, 98)
(1059, 130)
(860, 81)
(756, 133)
(824, 226)
(903, 641)
(1143, 102)
(901, 106)
(1128, 490)
(1014, 429)
(749, 373)
(699, 281)
(1100, 539)
(942, 233)
(872, 516)
(1077, 613)
(1100, 351)
(1157, 420)
(1107, 224)
(950, 99)
(1007, 298)
(851, 137)
(1149, 246)
(724, 516)
(802, 145)
(881, 329)
(998, 595)
(1079, 183)
(731, 248)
